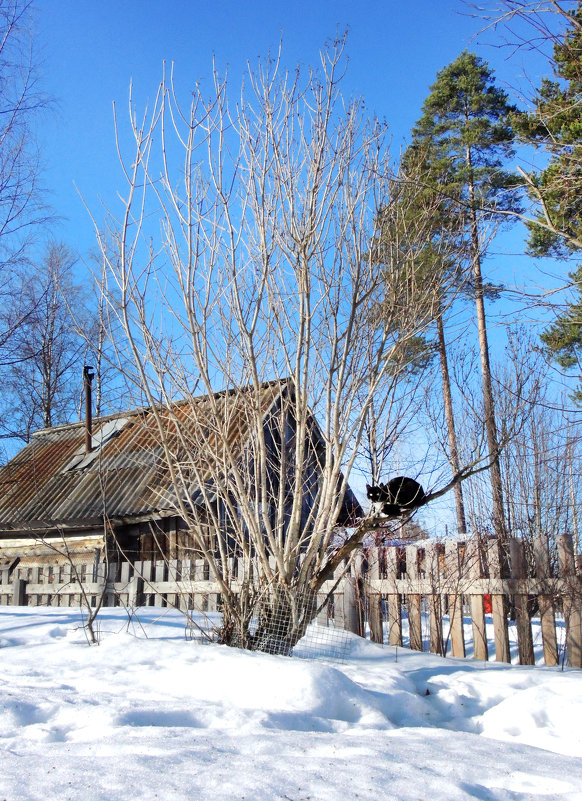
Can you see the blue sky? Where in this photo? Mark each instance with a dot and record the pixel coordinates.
(91, 49)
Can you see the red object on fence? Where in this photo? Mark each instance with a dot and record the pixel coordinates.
(487, 604)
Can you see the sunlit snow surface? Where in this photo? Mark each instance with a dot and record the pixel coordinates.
(149, 715)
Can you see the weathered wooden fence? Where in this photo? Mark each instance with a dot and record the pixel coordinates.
(446, 581)
(459, 580)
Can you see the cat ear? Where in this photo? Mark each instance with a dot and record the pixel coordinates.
(368, 488)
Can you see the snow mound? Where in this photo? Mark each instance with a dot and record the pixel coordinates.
(286, 687)
(542, 716)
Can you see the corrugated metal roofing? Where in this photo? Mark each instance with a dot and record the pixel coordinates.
(47, 484)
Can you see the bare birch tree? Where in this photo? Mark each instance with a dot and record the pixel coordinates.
(245, 252)
(41, 387)
(541, 462)
(21, 202)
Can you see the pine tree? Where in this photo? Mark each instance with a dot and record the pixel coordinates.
(564, 337)
(403, 230)
(465, 124)
(439, 258)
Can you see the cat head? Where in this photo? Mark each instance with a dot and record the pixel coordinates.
(375, 494)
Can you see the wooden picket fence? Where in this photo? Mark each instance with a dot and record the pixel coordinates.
(454, 579)
(442, 581)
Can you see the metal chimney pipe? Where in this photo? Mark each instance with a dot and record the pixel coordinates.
(87, 379)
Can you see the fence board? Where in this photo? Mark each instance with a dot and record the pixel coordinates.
(19, 592)
(414, 599)
(455, 600)
(147, 574)
(135, 596)
(172, 597)
(66, 575)
(392, 598)
(374, 599)
(356, 575)
(322, 619)
(185, 600)
(351, 621)
(545, 602)
(480, 650)
(6, 590)
(498, 605)
(435, 609)
(199, 599)
(108, 574)
(571, 601)
(524, 636)
(159, 578)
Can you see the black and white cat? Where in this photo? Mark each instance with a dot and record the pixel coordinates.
(398, 496)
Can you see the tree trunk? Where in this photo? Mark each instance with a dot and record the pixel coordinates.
(488, 403)
(452, 434)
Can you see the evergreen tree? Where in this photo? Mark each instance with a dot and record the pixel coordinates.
(436, 243)
(564, 337)
(464, 126)
(403, 229)
(556, 126)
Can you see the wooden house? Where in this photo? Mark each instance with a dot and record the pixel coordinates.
(71, 489)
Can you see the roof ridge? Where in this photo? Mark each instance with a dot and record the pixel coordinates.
(144, 409)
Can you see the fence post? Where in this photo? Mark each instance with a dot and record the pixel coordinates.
(323, 605)
(393, 598)
(160, 575)
(519, 574)
(19, 592)
(350, 607)
(123, 595)
(435, 609)
(200, 601)
(42, 578)
(374, 597)
(498, 609)
(66, 585)
(135, 592)
(457, 633)
(476, 601)
(571, 600)
(545, 603)
(139, 569)
(173, 599)
(5, 585)
(413, 600)
(109, 589)
(186, 576)
(213, 597)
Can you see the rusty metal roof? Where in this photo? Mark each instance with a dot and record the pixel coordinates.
(52, 482)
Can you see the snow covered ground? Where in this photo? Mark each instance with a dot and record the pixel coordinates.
(151, 715)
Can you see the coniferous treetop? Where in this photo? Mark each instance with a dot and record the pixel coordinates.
(465, 130)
